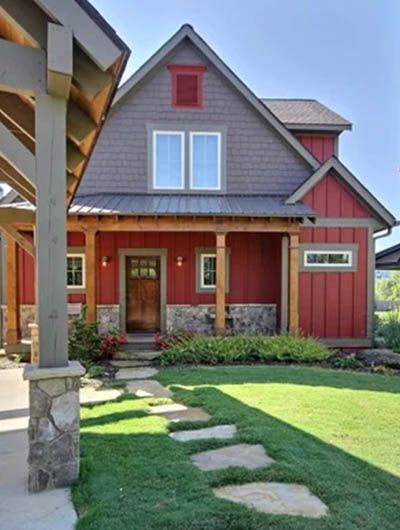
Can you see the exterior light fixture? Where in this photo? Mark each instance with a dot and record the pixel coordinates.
(105, 260)
(179, 261)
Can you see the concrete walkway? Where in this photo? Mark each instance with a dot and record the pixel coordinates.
(18, 509)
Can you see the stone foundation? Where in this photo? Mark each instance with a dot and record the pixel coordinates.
(241, 318)
(53, 426)
(108, 318)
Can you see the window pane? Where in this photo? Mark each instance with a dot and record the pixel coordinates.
(205, 162)
(328, 258)
(209, 271)
(74, 271)
(168, 163)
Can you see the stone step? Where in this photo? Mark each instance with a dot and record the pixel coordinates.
(244, 455)
(137, 355)
(136, 373)
(219, 432)
(176, 412)
(130, 363)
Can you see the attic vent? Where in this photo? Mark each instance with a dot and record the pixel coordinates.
(187, 85)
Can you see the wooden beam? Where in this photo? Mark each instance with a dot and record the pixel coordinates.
(13, 335)
(59, 60)
(19, 238)
(90, 275)
(50, 236)
(17, 155)
(22, 69)
(90, 36)
(181, 224)
(16, 181)
(19, 113)
(10, 215)
(79, 124)
(88, 78)
(74, 157)
(220, 326)
(294, 282)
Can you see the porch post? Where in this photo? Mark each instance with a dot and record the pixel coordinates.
(294, 282)
(90, 274)
(220, 283)
(13, 335)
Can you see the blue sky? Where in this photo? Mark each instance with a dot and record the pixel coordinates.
(342, 53)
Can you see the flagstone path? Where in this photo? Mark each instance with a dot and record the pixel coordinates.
(148, 388)
(220, 432)
(135, 373)
(243, 455)
(275, 498)
(176, 412)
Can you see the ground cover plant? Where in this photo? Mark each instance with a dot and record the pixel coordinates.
(197, 349)
(387, 329)
(335, 432)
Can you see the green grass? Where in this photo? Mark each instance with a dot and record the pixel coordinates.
(335, 432)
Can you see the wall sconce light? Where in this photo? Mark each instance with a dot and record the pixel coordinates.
(105, 260)
(179, 261)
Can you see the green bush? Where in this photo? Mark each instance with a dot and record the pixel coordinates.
(244, 349)
(95, 371)
(387, 330)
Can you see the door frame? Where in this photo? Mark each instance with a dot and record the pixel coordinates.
(124, 253)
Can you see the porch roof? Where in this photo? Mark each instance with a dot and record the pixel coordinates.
(196, 205)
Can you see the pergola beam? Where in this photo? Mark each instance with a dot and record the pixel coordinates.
(19, 238)
(21, 115)
(17, 155)
(59, 60)
(89, 35)
(16, 181)
(22, 69)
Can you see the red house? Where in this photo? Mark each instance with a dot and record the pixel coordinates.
(206, 208)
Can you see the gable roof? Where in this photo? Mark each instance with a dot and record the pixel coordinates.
(389, 258)
(306, 114)
(359, 189)
(187, 32)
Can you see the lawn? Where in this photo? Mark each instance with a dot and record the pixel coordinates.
(335, 432)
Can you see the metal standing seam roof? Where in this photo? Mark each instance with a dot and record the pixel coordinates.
(295, 113)
(197, 205)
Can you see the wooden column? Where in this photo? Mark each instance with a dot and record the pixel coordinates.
(220, 283)
(51, 230)
(90, 272)
(13, 319)
(294, 282)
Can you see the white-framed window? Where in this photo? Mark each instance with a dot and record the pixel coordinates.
(328, 258)
(75, 270)
(205, 160)
(168, 160)
(208, 271)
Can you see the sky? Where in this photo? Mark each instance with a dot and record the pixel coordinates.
(345, 53)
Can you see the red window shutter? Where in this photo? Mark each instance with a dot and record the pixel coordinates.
(187, 85)
(187, 91)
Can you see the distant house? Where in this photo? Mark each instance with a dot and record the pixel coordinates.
(388, 259)
(206, 208)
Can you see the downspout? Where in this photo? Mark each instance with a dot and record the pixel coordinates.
(387, 231)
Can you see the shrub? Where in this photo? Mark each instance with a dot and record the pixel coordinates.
(95, 371)
(87, 345)
(347, 362)
(387, 330)
(243, 349)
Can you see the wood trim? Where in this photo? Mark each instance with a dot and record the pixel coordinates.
(294, 282)
(284, 282)
(90, 275)
(221, 283)
(13, 335)
(18, 237)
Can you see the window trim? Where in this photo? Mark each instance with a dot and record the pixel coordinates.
(329, 248)
(157, 132)
(192, 134)
(83, 285)
(209, 251)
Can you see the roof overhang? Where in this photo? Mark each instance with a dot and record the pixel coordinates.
(315, 127)
(375, 207)
(68, 50)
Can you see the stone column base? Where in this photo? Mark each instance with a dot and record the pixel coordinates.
(53, 425)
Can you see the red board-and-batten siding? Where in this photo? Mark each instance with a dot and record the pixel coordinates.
(255, 266)
(334, 304)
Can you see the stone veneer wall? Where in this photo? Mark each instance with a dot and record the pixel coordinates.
(53, 433)
(241, 318)
(107, 315)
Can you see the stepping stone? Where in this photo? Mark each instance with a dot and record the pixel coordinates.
(135, 373)
(244, 455)
(90, 394)
(276, 498)
(148, 388)
(176, 412)
(220, 432)
(130, 364)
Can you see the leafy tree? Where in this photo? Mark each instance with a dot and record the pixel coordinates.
(388, 288)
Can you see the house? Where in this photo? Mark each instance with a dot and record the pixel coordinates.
(206, 208)
(388, 259)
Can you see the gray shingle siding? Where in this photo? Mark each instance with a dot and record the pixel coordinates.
(258, 159)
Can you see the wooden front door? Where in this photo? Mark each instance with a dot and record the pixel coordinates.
(142, 293)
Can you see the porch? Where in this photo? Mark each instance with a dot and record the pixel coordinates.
(148, 274)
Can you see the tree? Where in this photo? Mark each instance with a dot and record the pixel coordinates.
(388, 288)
